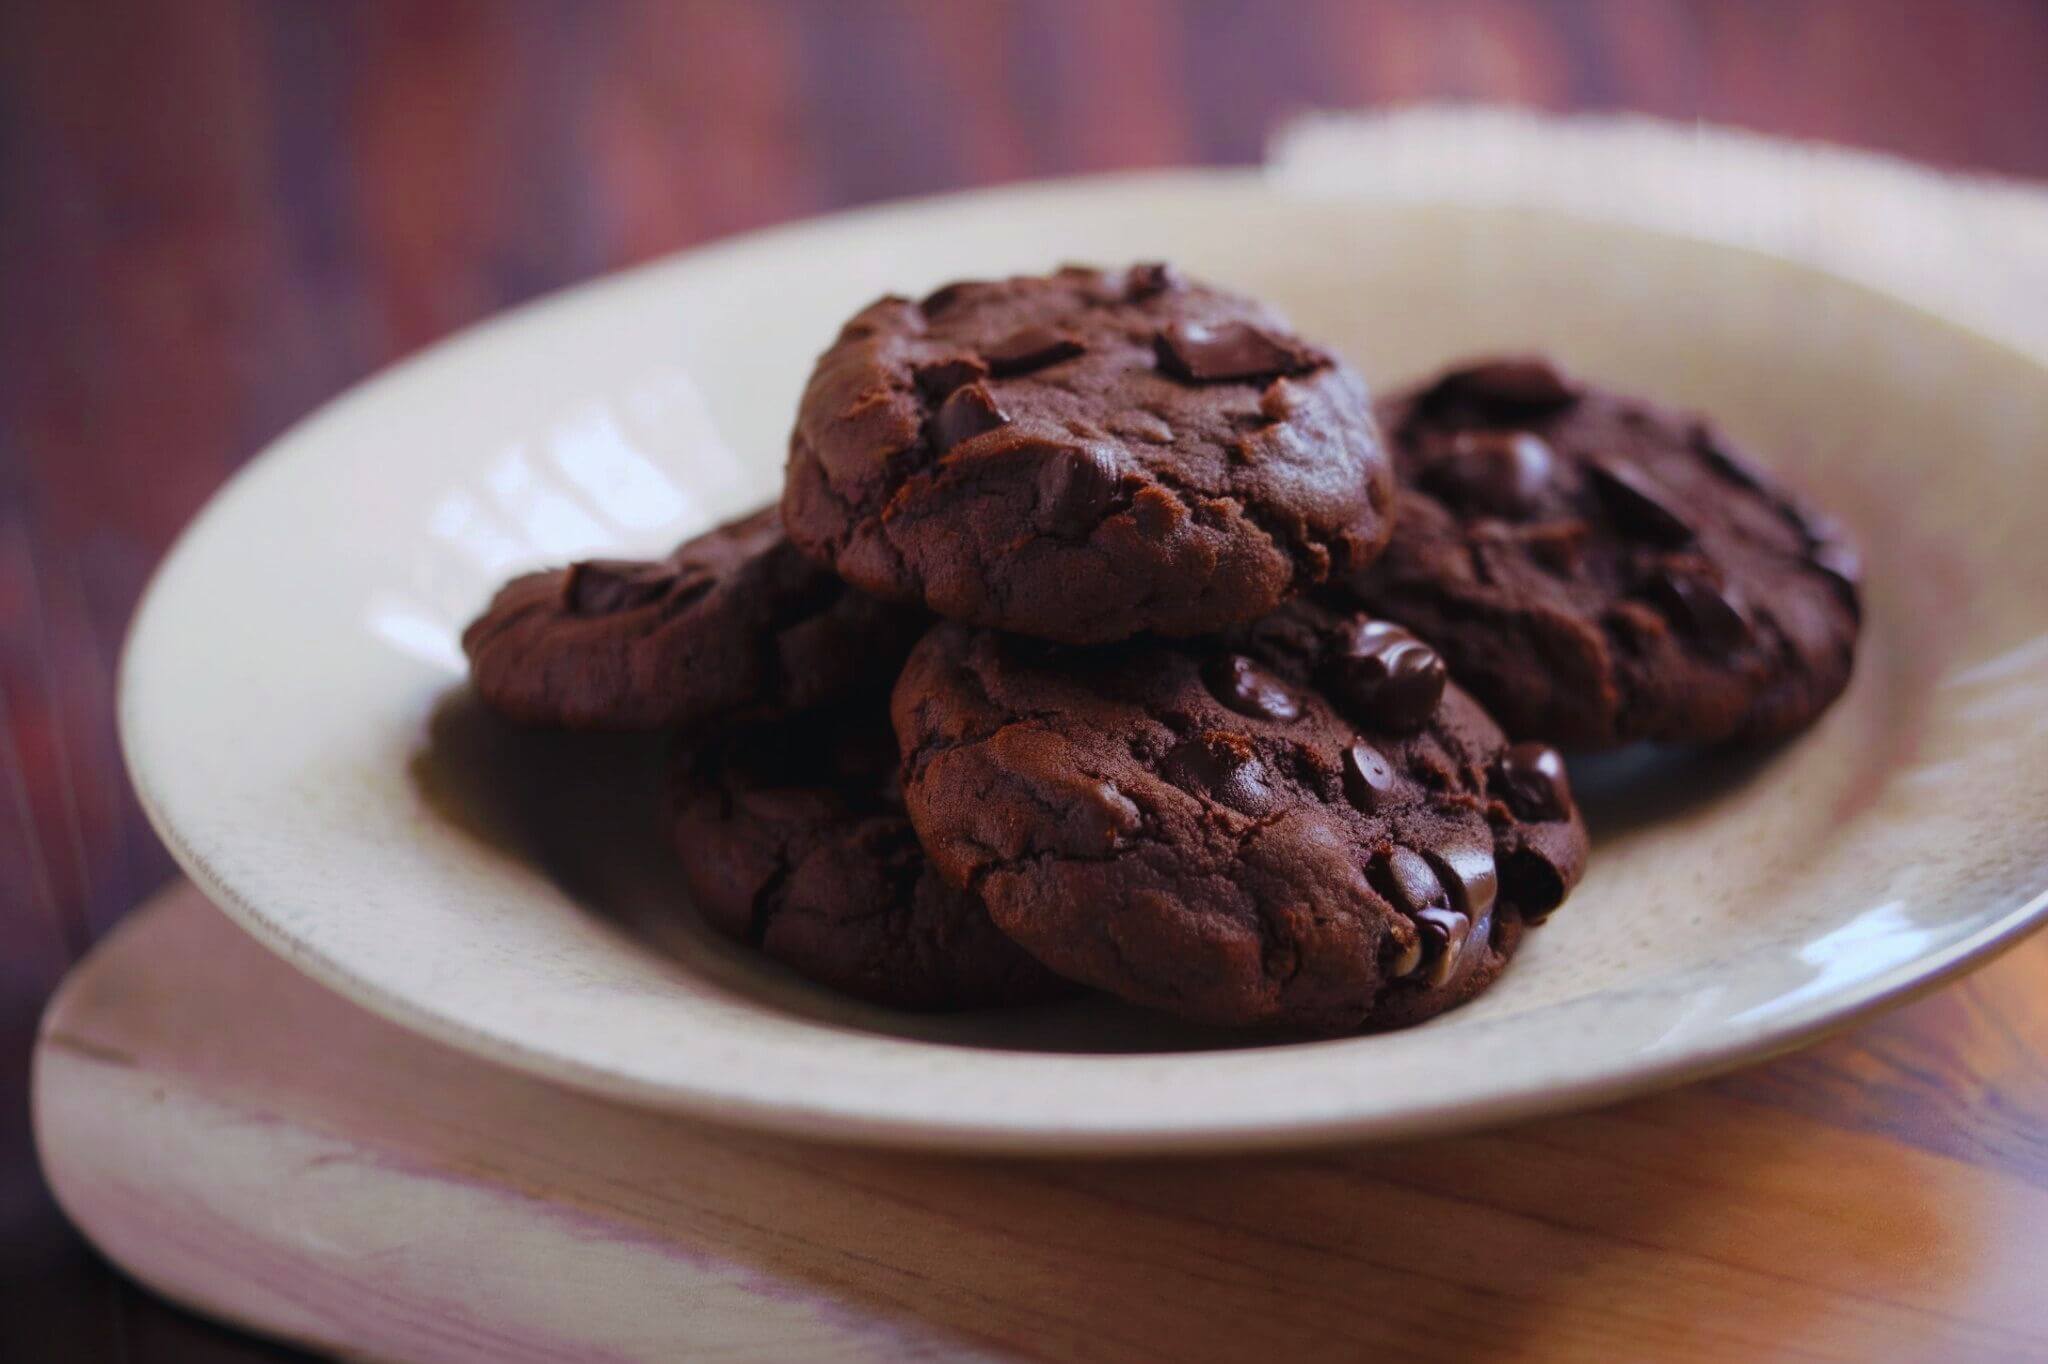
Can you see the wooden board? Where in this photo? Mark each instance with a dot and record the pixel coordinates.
(243, 1141)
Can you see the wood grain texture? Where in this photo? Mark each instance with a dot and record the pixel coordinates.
(215, 214)
(242, 1139)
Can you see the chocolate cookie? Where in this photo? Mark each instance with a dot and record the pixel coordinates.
(1304, 825)
(793, 839)
(1599, 570)
(734, 622)
(1084, 456)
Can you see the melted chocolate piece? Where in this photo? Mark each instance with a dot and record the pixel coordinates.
(1511, 382)
(1030, 348)
(604, 587)
(1442, 935)
(1390, 678)
(1249, 689)
(1639, 507)
(1502, 473)
(941, 377)
(1230, 351)
(1368, 777)
(1469, 874)
(1701, 610)
(968, 413)
(1149, 280)
(1076, 489)
(1224, 766)
(1532, 781)
(1404, 876)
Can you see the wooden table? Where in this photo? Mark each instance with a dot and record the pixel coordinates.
(215, 215)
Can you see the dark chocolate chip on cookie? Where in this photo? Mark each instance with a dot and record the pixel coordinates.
(793, 838)
(1085, 456)
(1600, 570)
(735, 622)
(1302, 824)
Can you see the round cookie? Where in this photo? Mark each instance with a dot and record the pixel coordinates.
(1084, 456)
(1598, 570)
(1302, 826)
(793, 839)
(735, 622)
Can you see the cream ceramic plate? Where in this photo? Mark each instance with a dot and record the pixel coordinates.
(292, 706)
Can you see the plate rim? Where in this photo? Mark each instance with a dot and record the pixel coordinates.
(1054, 1135)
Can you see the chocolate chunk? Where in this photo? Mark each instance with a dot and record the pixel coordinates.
(1201, 353)
(1524, 382)
(1150, 280)
(1701, 610)
(1030, 348)
(944, 297)
(1468, 872)
(1404, 877)
(1248, 689)
(604, 587)
(941, 377)
(1501, 473)
(1533, 782)
(1638, 506)
(1368, 777)
(1223, 765)
(1389, 678)
(1442, 935)
(1076, 489)
(969, 412)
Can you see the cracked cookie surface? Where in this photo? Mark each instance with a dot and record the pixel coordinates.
(793, 839)
(734, 623)
(1599, 570)
(1301, 825)
(1085, 456)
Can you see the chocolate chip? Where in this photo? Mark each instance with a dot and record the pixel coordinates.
(1030, 348)
(1390, 679)
(1368, 777)
(1076, 488)
(968, 413)
(603, 587)
(1150, 280)
(1233, 350)
(1404, 877)
(1443, 934)
(1467, 871)
(1533, 781)
(1248, 689)
(1701, 610)
(1223, 765)
(1500, 473)
(943, 297)
(1525, 382)
(1410, 886)
(1638, 506)
(939, 377)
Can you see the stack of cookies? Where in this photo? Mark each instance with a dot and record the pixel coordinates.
(1105, 638)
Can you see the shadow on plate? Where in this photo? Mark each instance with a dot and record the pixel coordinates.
(585, 810)
(1633, 788)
